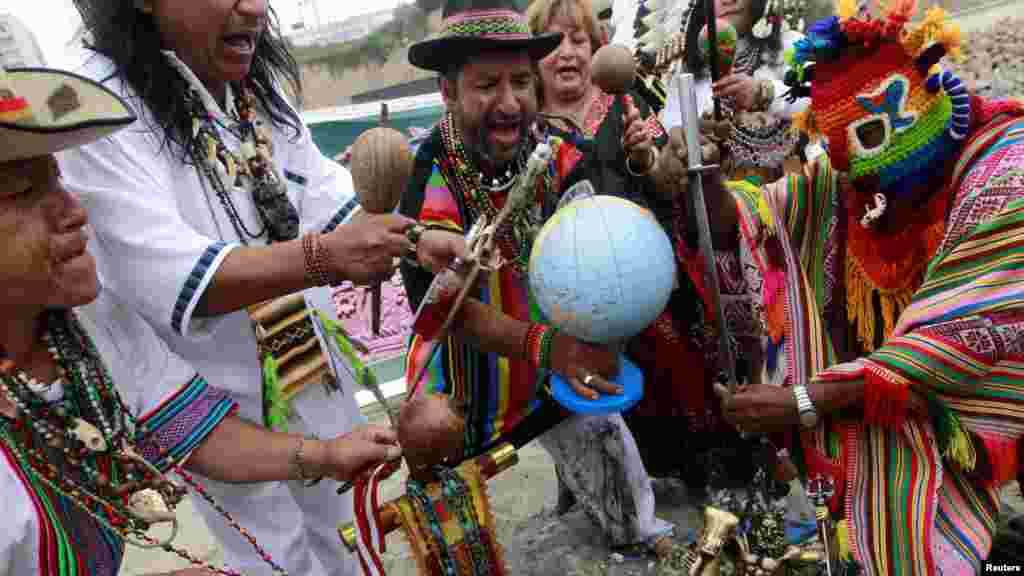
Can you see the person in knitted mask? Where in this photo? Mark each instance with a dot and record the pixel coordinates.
(892, 273)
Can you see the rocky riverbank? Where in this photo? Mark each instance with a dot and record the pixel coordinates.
(993, 63)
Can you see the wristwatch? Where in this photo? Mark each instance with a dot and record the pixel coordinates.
(808, 414)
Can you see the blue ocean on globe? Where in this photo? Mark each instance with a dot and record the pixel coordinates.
(602, 269)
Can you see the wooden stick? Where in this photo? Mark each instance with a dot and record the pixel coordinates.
(376, 293)
(491, 464)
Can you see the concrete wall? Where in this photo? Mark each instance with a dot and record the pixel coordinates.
(324, 90)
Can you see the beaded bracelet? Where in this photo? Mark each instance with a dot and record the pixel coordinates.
(537, 345)
(298, 459)
(315, 256)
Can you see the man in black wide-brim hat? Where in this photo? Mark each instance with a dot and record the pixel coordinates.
(497, 359)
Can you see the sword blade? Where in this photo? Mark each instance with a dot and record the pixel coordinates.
(688, 105)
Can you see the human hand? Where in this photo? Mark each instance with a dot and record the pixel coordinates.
(438, 248)
(760, 408)
(713, 130)
(586, 367)
(363, 250)
(637, 142)
(673, 162)
(345, 456)
(744, 90)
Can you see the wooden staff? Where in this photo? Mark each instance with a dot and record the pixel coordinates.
(376, 294)
(712, 24)
(381, 165)
(491, 464)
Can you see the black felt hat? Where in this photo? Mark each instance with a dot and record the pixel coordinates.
(470, 27)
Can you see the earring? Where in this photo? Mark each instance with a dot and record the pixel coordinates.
(763, 28)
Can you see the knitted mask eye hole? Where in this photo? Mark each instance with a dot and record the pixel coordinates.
(872, 135)
(869, 136)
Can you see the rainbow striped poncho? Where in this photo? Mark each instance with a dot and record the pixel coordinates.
(918, 465)
(499, 392)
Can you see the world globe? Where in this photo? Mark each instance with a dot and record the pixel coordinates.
(602, 269)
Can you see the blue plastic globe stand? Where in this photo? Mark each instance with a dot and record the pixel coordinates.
(630, 378)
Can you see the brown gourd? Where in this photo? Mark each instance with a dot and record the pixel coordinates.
(430, 433)
(381, 165)
(613, 69)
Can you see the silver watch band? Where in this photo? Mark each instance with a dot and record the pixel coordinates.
(804, 405)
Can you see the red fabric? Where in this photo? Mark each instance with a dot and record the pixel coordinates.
(1002, 457)
(675, 380)
(885, 401)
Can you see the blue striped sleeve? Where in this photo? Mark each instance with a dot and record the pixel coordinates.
(194, 285)
(347, 209)
(174, 429)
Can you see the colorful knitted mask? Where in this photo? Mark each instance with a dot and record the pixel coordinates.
(878, 97)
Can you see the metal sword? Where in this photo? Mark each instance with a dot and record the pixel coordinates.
(688, 106)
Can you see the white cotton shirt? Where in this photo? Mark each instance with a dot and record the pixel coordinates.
(146, 374)
(161, 234)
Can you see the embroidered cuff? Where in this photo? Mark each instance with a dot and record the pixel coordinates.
(198, 279)
(169, 433)
(347, 210)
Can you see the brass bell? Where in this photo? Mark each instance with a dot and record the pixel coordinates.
(719, 528)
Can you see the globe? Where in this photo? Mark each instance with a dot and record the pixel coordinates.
(602, 269)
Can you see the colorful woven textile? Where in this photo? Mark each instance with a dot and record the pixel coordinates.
(499, 392)
(919, 463)
(450, 527)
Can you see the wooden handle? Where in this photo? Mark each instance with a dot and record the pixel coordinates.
(491, 464)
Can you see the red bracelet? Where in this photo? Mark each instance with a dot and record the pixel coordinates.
(537, 345)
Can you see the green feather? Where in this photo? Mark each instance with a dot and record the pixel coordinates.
(367, 378)
(276, 409)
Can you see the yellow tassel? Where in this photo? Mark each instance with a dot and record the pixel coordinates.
(755, 196)
(961, 449)
(211, 149)
(846, 9)
(935, 27)
(232, 170)
(860, 306)
(951, 36)
(843, 539)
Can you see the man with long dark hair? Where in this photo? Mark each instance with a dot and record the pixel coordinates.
(218, 200)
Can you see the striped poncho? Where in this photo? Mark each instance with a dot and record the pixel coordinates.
(918, 463)
(499, 392)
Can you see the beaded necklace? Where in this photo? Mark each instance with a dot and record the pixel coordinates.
(251, 166)
(514, 238)
(76, 451)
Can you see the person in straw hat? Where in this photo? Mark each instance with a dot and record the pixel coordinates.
(95, 410)
(496, 360)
